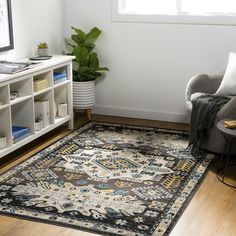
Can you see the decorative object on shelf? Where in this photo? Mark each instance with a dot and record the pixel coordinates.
(42, 109)
(40, 84)
(1, 102)
(86, 68)
(62, 110)
(38, 123)
(3, 141)
(43, 50)
(6, 31)
(14, 95)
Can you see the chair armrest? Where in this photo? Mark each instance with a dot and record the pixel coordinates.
(204, 83)
(228, 111)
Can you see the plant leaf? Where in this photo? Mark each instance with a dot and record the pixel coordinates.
(79, 31)
(82, 55)
(77, 39)
(102, 69)
(92, 36)
(93, 60)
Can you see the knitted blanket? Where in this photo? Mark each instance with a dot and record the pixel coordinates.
(203, 115)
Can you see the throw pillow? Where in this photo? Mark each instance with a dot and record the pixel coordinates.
(228, 84)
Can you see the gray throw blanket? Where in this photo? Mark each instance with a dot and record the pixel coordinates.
(203, 115)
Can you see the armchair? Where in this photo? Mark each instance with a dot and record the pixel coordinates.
(207, 83)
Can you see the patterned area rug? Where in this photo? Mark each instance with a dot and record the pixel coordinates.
(110, 179)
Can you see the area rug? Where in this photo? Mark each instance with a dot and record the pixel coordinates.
(106, 178)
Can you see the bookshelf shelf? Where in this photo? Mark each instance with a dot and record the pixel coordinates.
(20, 99)
(61, 83)
(59, 120)
(4, 106)
(42, 91)
(33, 93)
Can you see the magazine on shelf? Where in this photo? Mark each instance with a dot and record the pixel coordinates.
(9, 67)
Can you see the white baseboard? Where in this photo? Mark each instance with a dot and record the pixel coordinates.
(142, 114)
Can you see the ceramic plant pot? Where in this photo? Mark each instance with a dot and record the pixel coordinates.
(83, 94)
(38, 125)
(43, 52)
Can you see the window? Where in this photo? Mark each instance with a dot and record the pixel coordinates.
(176, 11)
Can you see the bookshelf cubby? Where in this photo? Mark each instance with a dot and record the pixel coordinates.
(60, 75)
(20, 91)
(5, 127)
(4, 96)
(42, 81)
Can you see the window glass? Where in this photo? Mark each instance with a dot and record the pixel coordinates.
(149, 7)
(208, 6)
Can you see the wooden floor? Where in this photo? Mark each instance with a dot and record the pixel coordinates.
(212, 210)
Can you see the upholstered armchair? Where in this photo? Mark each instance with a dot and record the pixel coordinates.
(207, 83)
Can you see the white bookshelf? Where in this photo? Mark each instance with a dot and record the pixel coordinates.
(20, 111)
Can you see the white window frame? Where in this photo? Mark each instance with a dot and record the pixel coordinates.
(171, 19)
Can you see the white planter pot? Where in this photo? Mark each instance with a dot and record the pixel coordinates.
(83, 94)
(43, 52)
(38, 125)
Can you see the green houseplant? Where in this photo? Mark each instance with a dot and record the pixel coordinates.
(86, 68)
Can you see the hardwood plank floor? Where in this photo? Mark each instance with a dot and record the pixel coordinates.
(212, 210)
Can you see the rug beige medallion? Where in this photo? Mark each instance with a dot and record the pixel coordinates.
(107, 178)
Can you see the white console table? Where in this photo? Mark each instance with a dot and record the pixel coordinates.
(21, 110)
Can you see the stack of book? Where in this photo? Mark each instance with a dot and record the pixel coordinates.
(59, 77)
(42, 109)
(19, 133)
(231, 124)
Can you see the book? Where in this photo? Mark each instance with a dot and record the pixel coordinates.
(60, 80)
(21, 137)
(231, 124)
(9, 67)
(42, 109)
(18, 131)
(59, 77)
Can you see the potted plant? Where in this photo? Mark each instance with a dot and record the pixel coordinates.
(43, 50)
(86, 68)
(38, 123)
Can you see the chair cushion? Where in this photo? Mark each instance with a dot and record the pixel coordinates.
(228, 84)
